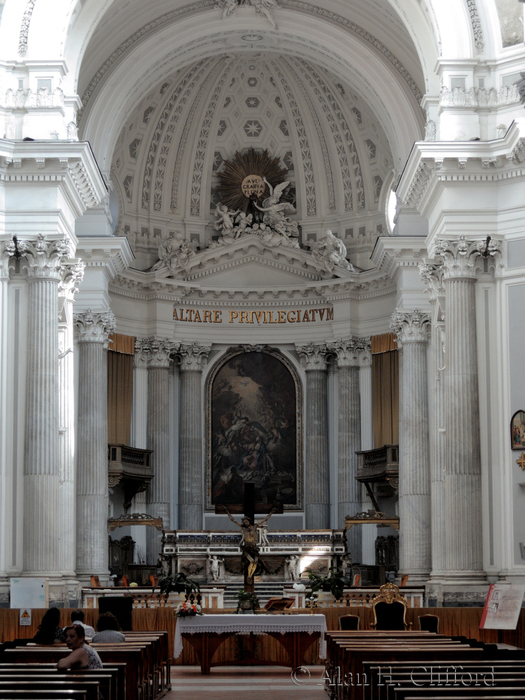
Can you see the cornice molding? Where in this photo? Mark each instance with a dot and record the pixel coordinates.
(393, 252)
(70, 163)
(434, 162)
(110, 252)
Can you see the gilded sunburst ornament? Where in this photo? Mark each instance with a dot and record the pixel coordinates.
(242, 179)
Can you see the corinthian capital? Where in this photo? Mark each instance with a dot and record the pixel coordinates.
(462, 258)
(44, 258)
(312, 356)
(410, 326)
(353, 352)
(94, 327)
(7, 249)
(193, 357)
(432, 275)
(160, 352)
(142, 353)
(73, 274)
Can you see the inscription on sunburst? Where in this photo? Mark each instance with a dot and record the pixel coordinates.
(253, 185)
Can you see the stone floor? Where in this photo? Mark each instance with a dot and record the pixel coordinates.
(246, 683)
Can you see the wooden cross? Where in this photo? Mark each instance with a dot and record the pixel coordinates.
(521, 461)
(249, 508)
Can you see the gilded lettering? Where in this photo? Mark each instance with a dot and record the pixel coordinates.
(298, 319)
(306, 318)
(271, 318)
(313, 314)
(217, 317)
(329, 314)
(207, 316)
(233, 314)
(282, 316)
(197, 318)
(243, 317)
(258, 315)
(290, 320)
(321, 313)
(175, 317)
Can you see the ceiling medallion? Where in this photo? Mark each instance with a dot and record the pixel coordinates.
(252, 38)
(242, 178)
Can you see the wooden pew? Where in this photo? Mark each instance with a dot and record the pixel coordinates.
(106, 681)
(117, 673)
(90, 688)
(41, 694)
(132, 656)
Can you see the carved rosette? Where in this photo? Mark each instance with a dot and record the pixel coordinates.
(44, 259)
(94, 327)
(193, 358)
(71, 279)
(313, 357)
(461, 257)
(410, 326)
(353, 352)
(7, 250)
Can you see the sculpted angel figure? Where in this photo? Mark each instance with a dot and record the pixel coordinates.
(331, 251)
(265, 7)
(173, 252)
(225, 221)
(276, 212)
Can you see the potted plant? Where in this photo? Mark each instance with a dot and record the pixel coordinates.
(179, 583)
(332, 584)
(246, 602)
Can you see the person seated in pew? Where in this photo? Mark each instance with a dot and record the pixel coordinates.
(108, 630)
(49, 630)
(77, 618)
(82, 655)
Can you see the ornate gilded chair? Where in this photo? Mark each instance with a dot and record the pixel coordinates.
(429, 623)
(389, 609)
(349, 622)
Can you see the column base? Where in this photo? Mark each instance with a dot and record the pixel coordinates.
(460, 592)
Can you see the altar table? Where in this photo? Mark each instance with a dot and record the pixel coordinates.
(296, 633)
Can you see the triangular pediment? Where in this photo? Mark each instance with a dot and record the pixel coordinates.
(250, 263)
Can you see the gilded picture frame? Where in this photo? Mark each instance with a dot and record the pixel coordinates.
(517, 430)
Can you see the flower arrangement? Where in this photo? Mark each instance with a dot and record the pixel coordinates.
(187, 609)
(246, 601)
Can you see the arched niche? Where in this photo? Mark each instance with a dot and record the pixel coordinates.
(254, 428)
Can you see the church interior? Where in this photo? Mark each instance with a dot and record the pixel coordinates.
(264, 258)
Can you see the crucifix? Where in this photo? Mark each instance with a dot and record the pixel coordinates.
(250, 550)
(521, 461)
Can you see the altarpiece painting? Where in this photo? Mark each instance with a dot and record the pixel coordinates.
(254, 429)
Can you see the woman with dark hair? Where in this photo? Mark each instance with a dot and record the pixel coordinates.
(49, 630)
(108, 630)
(82, 655)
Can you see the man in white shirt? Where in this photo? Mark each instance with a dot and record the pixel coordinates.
(77, 618)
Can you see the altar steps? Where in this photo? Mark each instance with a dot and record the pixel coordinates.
(264, 591)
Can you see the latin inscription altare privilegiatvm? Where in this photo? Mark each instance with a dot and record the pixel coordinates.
(256, 317)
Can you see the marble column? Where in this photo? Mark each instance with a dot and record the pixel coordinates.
(348, 354)
(73, 275)
(7, 250)
(192, 361)
(411, 329)
(93, 329)
(159, 490)
(316, 462)
(463, 552)
(44, 260)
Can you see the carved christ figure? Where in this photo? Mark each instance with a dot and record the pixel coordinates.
(250, 550)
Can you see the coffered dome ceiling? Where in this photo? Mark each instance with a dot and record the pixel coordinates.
(251, 85)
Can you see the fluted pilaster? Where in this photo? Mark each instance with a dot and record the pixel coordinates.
(73, 274)
(463, 553)
(350, 355)
(412, 329)
(158, 435)
(7, 250)
(192, 361)
(93, 330)
(44, 262)
(317, 474)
